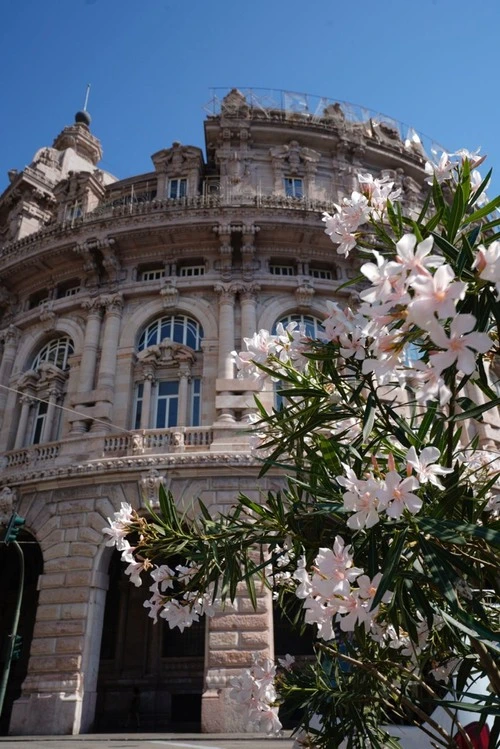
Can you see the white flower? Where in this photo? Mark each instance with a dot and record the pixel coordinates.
(425, 465)
(487, 262)
(435, 294)
(119, 527)
(134, 570)
(396, 495)
(440, 171)
(416, 261)
(460, 346)
(163, 577)
(286, 662)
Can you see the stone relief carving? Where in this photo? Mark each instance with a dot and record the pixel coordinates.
(149, 486)
(234, 104)
(8, 498)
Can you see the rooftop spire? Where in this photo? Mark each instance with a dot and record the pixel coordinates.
(83, 117)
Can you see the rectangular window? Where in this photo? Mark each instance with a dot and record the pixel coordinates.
(71, 292)
(167, 404)
(192, 270)
(195, 419)
(152, 275)
(282, 270)
(139, 394)
(74, 210)
(40, 415)
(324, 275)
(294, 187)
(177, 188)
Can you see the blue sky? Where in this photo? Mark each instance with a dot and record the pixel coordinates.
(152, 65)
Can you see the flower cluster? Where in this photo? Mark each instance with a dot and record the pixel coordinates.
(353, 212)
(181, 607)
(254, 689)
(367, 498)
(171, 598)
(287, 345)
(337, 592)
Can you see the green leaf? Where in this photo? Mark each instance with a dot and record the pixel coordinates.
(471, 627)
(484, 211)
(390, 567)
(474, 413)
(477, 193)
(457, 533)
(369, 417)
(456, 214)
(441, 573)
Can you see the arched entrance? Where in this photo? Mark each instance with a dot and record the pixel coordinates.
(150, 677)
(9, 582)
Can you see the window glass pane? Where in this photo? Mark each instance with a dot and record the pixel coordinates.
(161, 410)
(168, 387)
(172, 412)
(152, 335)
(196, 402)
(166, 329)
(179, 328)
(138, 405)
(41, 410)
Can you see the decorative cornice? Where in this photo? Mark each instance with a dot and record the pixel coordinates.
(131, 464)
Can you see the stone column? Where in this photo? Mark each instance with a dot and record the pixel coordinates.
(26, 403)
(90, 345)
(146, 400)
(47, 431)
(10, 337)
(107, 367)
(226, 330)
(225, 364)
(183, 404)
(248, 300)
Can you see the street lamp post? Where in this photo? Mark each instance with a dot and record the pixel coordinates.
(12, 642)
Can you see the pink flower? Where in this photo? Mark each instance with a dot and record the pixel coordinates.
(460, 346)
(435, 294)
(416, 262)
(488, 263)
(396, 495)
(425, 465)
(441, 171)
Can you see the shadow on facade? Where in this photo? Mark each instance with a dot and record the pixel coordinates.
(9, 581)
(150, 677)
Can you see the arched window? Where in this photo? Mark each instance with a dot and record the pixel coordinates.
(313, 325)
(168, 374)
(43, 389)
(56, 352)
(178, 328)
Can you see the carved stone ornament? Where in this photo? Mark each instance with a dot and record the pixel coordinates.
(150, 486)
(7, 501)
(47, 315)
(234, 104)
(169, 294)
(167, 352)
(304, 294)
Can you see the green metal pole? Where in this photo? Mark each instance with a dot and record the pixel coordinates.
(12, 637)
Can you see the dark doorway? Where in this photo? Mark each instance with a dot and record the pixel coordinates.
(9, 582)
(150, 677)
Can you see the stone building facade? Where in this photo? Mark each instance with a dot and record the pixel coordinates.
(120, 304)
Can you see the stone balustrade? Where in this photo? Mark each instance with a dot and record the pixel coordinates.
(32, 456)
